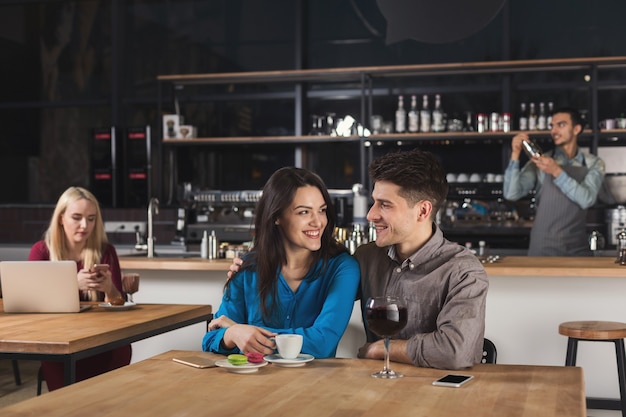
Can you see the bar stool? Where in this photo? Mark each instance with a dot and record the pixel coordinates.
(599, 331)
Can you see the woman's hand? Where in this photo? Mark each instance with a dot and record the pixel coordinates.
(221, 322)
(89, 280)
(85, 280)
(249, 339)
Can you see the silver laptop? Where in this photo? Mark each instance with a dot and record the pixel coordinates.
(39, 287)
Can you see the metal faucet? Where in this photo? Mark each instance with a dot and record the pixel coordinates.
(153, 208)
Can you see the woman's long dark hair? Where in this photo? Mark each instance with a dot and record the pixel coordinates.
(268, 254)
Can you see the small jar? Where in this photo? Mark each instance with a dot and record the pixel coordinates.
(506, 122)
(494, 122)
(481, 122)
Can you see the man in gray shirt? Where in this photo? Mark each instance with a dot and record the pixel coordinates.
(443, 284)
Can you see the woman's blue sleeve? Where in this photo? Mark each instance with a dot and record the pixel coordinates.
(233, 306)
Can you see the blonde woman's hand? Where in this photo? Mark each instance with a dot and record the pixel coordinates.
(86, 280)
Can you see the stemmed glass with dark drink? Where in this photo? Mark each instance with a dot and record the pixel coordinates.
(386, 316)
(130, 284)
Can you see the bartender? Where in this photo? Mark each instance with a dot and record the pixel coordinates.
(566, 180)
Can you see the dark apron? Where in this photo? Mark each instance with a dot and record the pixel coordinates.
(560, 224)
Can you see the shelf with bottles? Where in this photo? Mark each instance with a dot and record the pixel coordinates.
(357, 82)
(451, 136)
(293, 92)
(256, 140)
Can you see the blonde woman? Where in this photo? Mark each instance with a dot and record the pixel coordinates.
(76, 233)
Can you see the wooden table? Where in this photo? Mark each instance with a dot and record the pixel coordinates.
(329, 387)
(69, 337)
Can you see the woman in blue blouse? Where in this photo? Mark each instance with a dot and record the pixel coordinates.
(297, 278)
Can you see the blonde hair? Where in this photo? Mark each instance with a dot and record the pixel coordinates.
(55, 235)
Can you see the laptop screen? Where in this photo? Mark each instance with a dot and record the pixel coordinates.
(39, 286)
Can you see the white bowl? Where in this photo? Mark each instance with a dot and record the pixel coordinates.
(475, 177)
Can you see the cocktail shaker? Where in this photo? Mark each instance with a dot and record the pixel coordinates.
(531, 148)
(621, 247)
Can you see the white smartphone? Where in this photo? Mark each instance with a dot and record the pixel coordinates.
(195, 361)
(100, 268)
(452, 380)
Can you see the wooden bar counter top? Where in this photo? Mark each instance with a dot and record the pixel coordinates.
(508, 265)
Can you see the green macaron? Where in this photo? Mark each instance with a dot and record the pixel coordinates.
(237, 359)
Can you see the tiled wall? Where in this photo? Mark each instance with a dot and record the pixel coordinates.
(27, 224)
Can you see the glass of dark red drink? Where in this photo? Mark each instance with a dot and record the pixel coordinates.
(386, 316)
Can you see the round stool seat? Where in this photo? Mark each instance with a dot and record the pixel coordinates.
(593, 330)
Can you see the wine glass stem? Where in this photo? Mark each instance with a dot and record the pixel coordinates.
(386, 366)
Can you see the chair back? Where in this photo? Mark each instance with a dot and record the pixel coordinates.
(490, 352)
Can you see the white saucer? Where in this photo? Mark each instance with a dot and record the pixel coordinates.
(108, 306)
(248, 368)
(301, 360)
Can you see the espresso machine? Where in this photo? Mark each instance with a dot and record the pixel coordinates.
(230, 214)
(476, 212)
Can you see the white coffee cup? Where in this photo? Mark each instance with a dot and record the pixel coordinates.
(607, 124)
(289, 345)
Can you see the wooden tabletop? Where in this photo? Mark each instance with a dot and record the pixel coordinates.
(63, 334)
(329, 387)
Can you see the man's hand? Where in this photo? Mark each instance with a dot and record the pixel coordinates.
(234, 267)
(374, 350)
(516, 145)
(548, 165)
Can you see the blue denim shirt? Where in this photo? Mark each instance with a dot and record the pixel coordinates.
(518, 183)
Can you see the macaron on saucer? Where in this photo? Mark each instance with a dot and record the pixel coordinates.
(239, 364)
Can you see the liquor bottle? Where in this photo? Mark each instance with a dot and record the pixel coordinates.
(413, 116)
(425, 115)
(400, 116)
(532, 117)
(438, 122)
(542, 118)
(204, 246)
(523, 117)
(549, 118)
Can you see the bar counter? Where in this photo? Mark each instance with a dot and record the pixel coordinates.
(506, 266)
